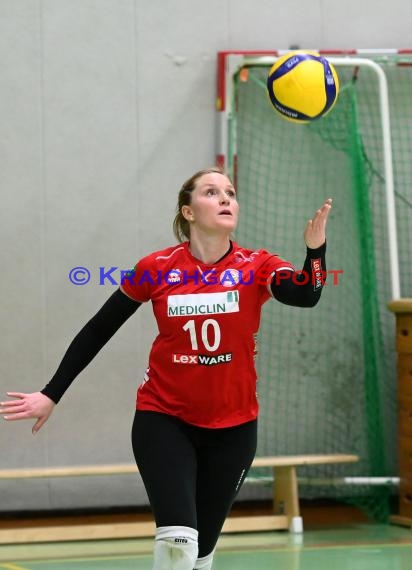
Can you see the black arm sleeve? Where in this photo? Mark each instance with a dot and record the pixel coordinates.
(89, 341)
(302, 289)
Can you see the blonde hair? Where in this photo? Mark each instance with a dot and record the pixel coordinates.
(181, 227)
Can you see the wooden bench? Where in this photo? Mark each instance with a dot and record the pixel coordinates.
(286, 513)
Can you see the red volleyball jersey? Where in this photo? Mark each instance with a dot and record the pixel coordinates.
(202, 363)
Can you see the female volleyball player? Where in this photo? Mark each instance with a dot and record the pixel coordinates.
(194, 433)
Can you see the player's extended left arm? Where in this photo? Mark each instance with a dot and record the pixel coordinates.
(302, 288)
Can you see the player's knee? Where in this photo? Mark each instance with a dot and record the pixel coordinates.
(175, 548)
(205, 562)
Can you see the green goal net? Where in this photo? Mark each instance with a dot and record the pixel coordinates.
(327, 376)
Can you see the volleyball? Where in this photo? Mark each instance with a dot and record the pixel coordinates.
(303, 86)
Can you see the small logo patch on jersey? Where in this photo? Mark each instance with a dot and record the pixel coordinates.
(229, 277)
(203, 304)
(174, 276)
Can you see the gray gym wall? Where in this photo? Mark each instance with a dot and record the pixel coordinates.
(106, 106)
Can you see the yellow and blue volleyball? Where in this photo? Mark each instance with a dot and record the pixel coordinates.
(303, 86)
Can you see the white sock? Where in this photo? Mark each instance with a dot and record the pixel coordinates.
(205, 563)
(175, 548)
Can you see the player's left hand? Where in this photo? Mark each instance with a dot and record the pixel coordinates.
(315, 231)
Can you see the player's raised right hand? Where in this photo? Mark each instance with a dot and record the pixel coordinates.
(27, 406)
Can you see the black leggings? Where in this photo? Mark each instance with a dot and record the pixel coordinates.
(192, 474)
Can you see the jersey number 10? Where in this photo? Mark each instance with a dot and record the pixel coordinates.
(204, 334)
